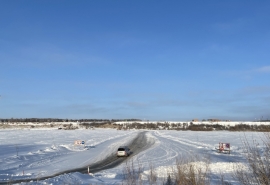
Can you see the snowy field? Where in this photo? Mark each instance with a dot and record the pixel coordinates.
(35, 153)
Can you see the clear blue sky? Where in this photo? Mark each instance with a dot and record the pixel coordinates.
(154, 60)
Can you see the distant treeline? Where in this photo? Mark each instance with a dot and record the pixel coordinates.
(193, 127)
(42, 120)
(178, 126)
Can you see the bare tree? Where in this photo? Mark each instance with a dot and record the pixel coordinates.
(132, 174)
(257, 170)
(192, 171)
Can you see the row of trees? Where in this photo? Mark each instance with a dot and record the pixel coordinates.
(178, 126)
(42, 120)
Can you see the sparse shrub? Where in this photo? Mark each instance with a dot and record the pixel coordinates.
(258, 163)
(192, 171)
(85, 125)
(152, 177)
(169, 181)
(132, 174)
(202, 127)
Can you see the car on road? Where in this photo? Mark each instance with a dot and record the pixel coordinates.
(123, 151)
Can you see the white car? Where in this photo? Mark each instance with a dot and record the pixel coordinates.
(123, 151)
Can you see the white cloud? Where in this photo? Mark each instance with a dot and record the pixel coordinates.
(264, 69)
(248, 74)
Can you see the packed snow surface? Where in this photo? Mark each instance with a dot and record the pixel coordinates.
(36, 153)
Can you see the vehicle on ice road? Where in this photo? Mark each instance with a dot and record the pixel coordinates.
(123, 151)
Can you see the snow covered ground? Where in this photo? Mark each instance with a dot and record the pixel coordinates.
(34, 153)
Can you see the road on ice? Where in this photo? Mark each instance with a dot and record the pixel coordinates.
(138, 144)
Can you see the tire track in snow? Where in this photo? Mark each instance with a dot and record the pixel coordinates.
(167, 150)
(190, 148)
(184, 141)
(172, 149)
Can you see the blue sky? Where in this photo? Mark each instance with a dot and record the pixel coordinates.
(154, 60)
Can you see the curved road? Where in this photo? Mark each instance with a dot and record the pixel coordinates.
(136, 145)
